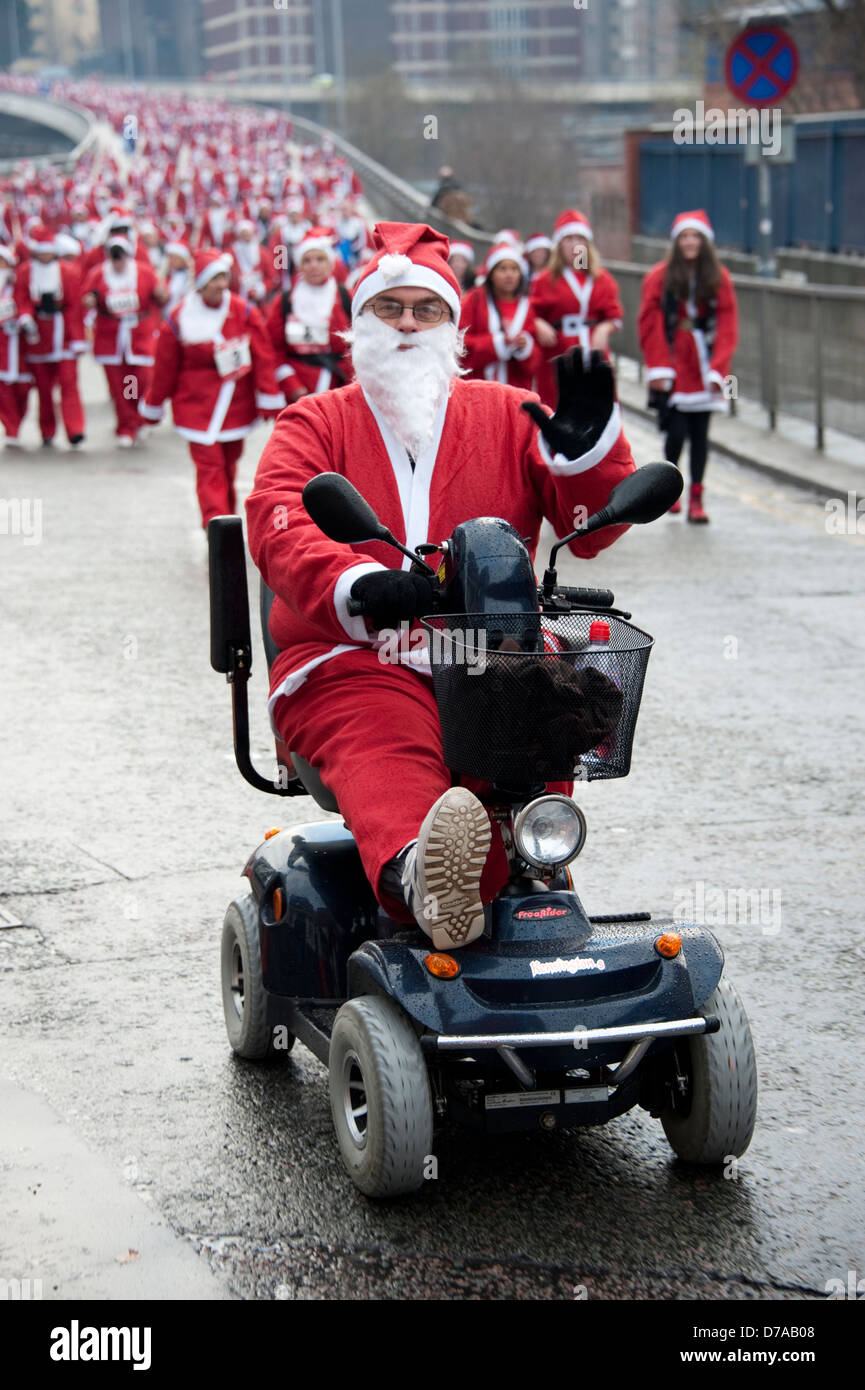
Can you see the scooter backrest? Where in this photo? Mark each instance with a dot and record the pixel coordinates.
(229, 596)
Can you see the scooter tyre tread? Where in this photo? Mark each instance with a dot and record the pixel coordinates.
(249, 1034)
(400, 1117)
(724, 1087)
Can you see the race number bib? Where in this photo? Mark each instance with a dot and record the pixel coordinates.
(234, 358)
(300, 334)
(119, 302)
(7, 309)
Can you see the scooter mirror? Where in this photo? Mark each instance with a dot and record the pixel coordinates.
(644, 495)
(338, 510)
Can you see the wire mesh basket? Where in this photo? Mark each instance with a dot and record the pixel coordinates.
(525, 698)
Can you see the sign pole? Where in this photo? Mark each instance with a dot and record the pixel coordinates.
(766, 266)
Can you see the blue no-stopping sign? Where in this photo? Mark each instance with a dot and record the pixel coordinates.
(762, 65)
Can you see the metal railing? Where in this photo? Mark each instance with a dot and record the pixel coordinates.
(801, 348)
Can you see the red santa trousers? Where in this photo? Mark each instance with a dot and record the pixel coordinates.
(128, 385)
(372, 730)
(65, 375)
(13, 405)
(215, 472)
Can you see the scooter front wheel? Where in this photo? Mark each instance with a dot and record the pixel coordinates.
(243, 998)
(712, 1109)
(380, 1097)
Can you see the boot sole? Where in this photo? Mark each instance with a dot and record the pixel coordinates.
(452, 849)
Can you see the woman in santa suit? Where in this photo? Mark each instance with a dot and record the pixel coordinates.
(126, 297)
(47, 297)
(15, 379)
(215, 364)
(305, 323)
(688, 326)
(499, 322)
(575, 301)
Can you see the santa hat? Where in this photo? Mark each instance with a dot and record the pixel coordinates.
(571, 223)
(66, 245)
(408, 255)
(510, 235)
(40, 238)
(121, 241)
(178, 248)
(505, 251)
(246, 225)
(697, 221)
(462, 248)
(316, 239)
(537, 242)
(210, 263)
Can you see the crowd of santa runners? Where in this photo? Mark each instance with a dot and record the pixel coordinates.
(207, 253)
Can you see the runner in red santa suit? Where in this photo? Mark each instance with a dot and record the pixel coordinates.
(306, 323)
(538, 250)
(688, 326)
(47, 297)
(15, 379)
(498, 321)
(214, 363)
(576, 302)
(428, 451)
(126, 298)
(256, 277)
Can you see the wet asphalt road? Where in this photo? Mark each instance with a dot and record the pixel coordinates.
(126, 825)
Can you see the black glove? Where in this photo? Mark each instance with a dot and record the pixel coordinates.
(660, 401)
(387, 597)
(586, 400)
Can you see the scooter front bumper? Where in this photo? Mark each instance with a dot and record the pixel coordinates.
(581, 1037)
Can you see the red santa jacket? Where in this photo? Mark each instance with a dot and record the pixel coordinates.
(61, 334)
(491, 326)
(484, 459)
(704, 339)
(572, 304)
(304, 330)
(217, 368)
(127, 312)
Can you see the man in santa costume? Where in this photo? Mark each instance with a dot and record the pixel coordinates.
(217, 227)
(256, 277)
(576, 302)
(180, 274)
(47, 297)
(498, 322)
(428, 451)
(214, 362)
(15, 379)
(306, 323)
(126, 297)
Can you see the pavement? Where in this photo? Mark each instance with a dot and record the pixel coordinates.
(783, 454)
(129, 1125)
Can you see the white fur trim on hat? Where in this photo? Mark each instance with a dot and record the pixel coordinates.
(416, 277)
(537, 243)
(315, 243)
(462, 248)
(221, 266)
(573, 229)
(694, 224)
(505, 252)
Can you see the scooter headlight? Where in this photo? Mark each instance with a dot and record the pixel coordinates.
(550, 831)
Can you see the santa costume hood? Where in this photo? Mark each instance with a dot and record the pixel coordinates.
(408, 255)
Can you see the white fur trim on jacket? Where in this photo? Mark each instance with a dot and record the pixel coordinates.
(354, 624)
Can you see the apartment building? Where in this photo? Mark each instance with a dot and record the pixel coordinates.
(266, 42)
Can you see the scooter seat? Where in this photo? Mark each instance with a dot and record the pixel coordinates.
(311, 780)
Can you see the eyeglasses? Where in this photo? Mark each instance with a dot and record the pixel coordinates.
(423, 313)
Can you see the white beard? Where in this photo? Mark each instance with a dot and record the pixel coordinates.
(407, 387)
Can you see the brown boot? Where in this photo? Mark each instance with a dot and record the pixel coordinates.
(695, 504)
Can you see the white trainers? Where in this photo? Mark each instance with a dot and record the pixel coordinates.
(123, 441)
(442, 872)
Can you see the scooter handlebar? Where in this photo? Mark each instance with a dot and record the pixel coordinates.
(587, 598)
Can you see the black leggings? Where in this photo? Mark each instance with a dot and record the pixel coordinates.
(693, 425)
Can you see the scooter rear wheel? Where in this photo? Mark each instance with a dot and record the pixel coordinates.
(243, 998)
(380, 1097)
(712, 1119)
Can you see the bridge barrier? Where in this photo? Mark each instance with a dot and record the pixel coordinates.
(75, 123)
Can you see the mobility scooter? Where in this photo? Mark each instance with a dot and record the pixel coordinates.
(550, 1018)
